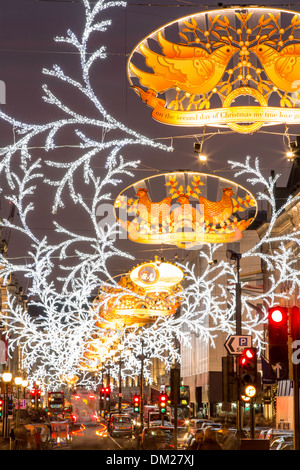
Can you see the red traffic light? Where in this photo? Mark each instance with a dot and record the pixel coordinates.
(248, 371)
(248, 358)
(278, 342)
(136, 399)
(276, 315)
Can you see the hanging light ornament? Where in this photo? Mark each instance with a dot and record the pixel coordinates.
(149, 291)
(196, 208)
(192, 70)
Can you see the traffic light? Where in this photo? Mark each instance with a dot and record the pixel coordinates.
(248, 372)
(229, 381)
(136, 403)
(102, 393)
(278, 342)
(32, 397)
(1, 408)
(10, 409)
(163, 403)
(107, 393)
(295, 322)
(38, 397)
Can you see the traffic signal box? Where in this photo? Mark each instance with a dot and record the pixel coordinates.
(294, 314)
(136, 403)
(102, 393)
(229, 380)
(1, 408)
(278, 342)
(163, 403)
(248, 372)
(107, 393)
(10, 407)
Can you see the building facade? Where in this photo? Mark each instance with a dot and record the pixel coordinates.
(201, 363)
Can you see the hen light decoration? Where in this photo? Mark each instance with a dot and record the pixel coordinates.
(198, 208)
(193, 70)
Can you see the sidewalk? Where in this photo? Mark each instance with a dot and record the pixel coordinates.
(4, 443)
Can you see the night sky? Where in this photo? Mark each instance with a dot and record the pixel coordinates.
(27, 29)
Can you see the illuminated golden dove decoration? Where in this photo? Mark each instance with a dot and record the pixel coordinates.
(192, 69)
(233, 67)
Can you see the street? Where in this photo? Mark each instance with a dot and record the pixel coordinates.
(96, 437)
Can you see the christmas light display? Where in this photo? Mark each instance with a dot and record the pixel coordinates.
(192, 70)
(189, 214)
(65, 268)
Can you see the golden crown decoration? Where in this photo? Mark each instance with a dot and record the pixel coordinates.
(193, 208)
(192, 70)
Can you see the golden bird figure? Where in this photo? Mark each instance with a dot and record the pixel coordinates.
(185, 214)
(219, 211)
(192, 69)
(282, 68)
(153, 213)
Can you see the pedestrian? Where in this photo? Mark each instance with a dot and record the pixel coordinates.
(197, 441)
(37, 439)
(21, 438)
(12, 438)
(210, 440)
(229, 439)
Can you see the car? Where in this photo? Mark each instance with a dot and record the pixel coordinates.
(110, 416)
(157, 438)
(191, 437)
(263, 434)
(274, 433)
(282, 443)
(120, 425)
(182, 435)
(194, 424)
(287, 446)
(213, 425)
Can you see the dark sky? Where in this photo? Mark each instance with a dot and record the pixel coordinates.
(27, 29)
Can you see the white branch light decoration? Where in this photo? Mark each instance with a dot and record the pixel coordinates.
(54, 345)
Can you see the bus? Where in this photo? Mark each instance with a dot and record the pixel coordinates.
(183, 407)
(56, 403)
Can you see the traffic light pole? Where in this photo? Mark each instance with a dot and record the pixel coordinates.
(238, 323)
(142, 357)
(296, 406)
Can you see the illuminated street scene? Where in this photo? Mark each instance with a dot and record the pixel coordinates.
(150, 228)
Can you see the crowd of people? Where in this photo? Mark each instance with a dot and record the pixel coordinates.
(209, 439)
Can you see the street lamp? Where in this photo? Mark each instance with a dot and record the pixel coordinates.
(6, 377)
(18, 383)
(24, 385)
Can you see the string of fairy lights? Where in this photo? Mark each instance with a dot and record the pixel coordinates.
(65, 274)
